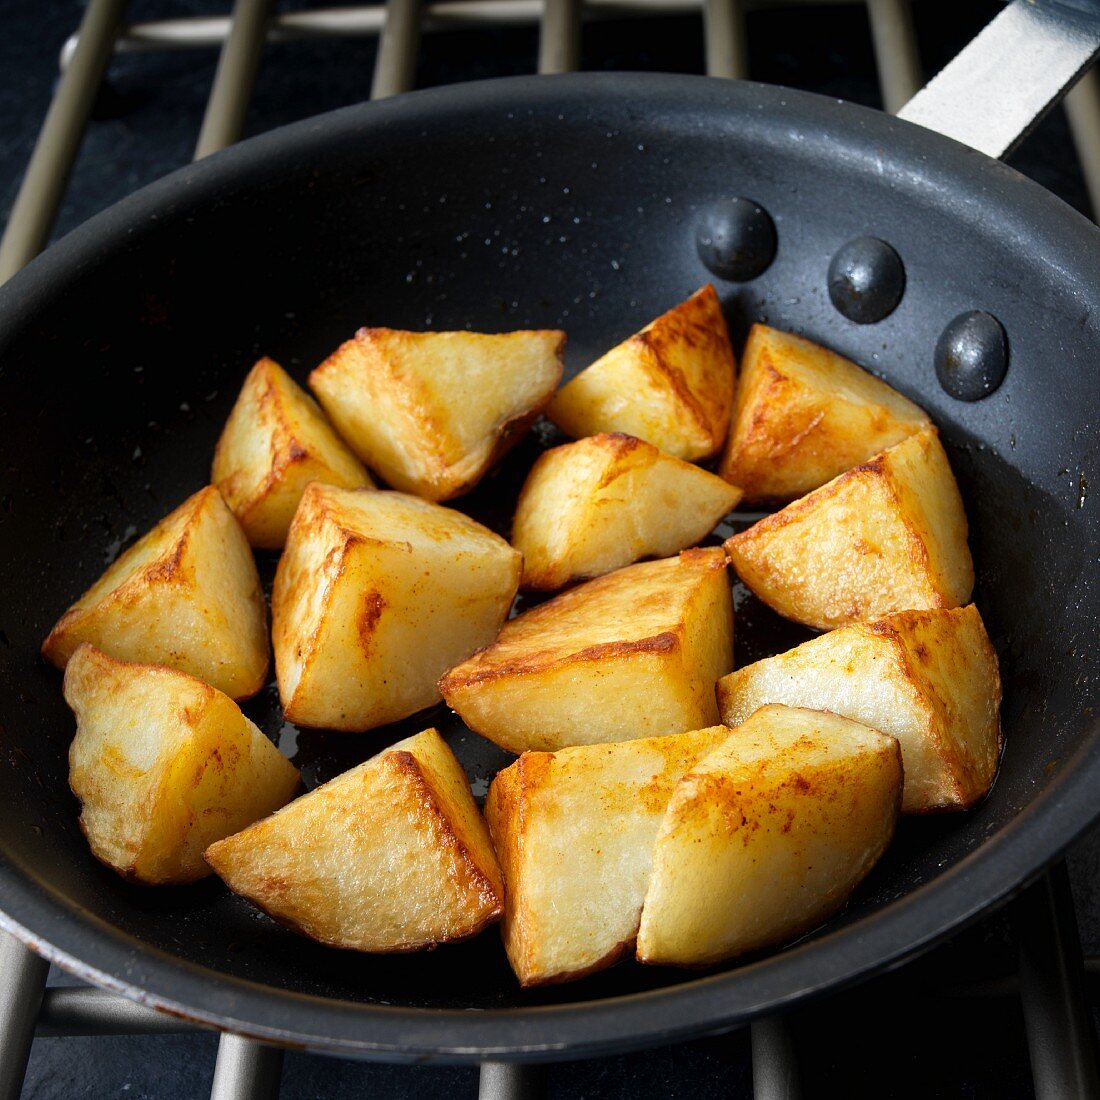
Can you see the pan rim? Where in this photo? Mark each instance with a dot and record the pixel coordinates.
(993, 872)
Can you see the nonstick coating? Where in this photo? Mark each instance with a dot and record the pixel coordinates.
(570, 202)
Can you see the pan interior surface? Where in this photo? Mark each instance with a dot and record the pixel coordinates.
(567, 202)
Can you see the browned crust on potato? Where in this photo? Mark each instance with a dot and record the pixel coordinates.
(369, 614)
(506, 815)
(682, 325)
(809, 503)
(666, 642)
(285, 450)
(781, 423)
(467, 875)
(964, 793)
(396, 949)
(616, 953)
(169, 568)
(469, 673)
(413, 395)
(741, 548)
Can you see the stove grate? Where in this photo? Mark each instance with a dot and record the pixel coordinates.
(1060, 1032)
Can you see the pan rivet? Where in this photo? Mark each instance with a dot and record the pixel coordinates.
(972, 356)
(866, 280)
(735, 238)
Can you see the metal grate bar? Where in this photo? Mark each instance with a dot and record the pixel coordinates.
(727, 48)
(43, 187)
(895, 43)
(774, 1062)
(511, 1081)
(395, 68)
(560, 36)
(84, 1010)
(246, 1070)
(22, 979)
(366, 20)
(1083, 111)
(235, 78)
(1061, 1038)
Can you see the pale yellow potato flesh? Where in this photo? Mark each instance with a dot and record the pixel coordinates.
(164, 765)
(393, 855)
(634, 653)
(768, 835)
(804, 414)
(596, 505)
(574, 831)
(186, 595)
(888, 535)
(431, 412)
(275, 442)
(376, 595)
(670, 384)
(929, 678)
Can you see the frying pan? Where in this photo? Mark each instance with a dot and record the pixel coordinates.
(588, 202)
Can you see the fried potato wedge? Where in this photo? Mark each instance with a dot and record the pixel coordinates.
(803, 415)
(390, 856)
(601, 503)
(631, 654)
(164, 765)
(574, 831)
(768, 835)
(889, 535)
(670, 384)
(376, 595)
(275, 442)
(400, 400)
(185, 595)
(929, 678)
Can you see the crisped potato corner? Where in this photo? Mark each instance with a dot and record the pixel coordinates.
(164, 765)
(767, 836)
(889, 535)
(803, 414)
(376, 595)
(634, 653)
(603, 502)
(670, 384)
(390, 856)
(432, 411)
(186, 595)
(574, 831)
(929, 678)
(275, 442)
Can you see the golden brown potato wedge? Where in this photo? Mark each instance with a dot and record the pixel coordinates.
(390, 856)
(601, 503)
(574, 831)
(186, 595)
(803, 414)
(670, 384)
(164, 765)
(275, 442)
(929, 678)
(432, 411)
(888, 535)
(634, 653)
(768, 835)
(376, 595)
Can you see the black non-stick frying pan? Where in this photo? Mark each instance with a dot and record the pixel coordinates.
(584, 202)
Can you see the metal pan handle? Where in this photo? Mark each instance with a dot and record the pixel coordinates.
(994, 92)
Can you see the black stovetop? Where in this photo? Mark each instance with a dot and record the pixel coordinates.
(898, 1036)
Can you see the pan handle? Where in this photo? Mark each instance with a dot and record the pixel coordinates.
(995, 91)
